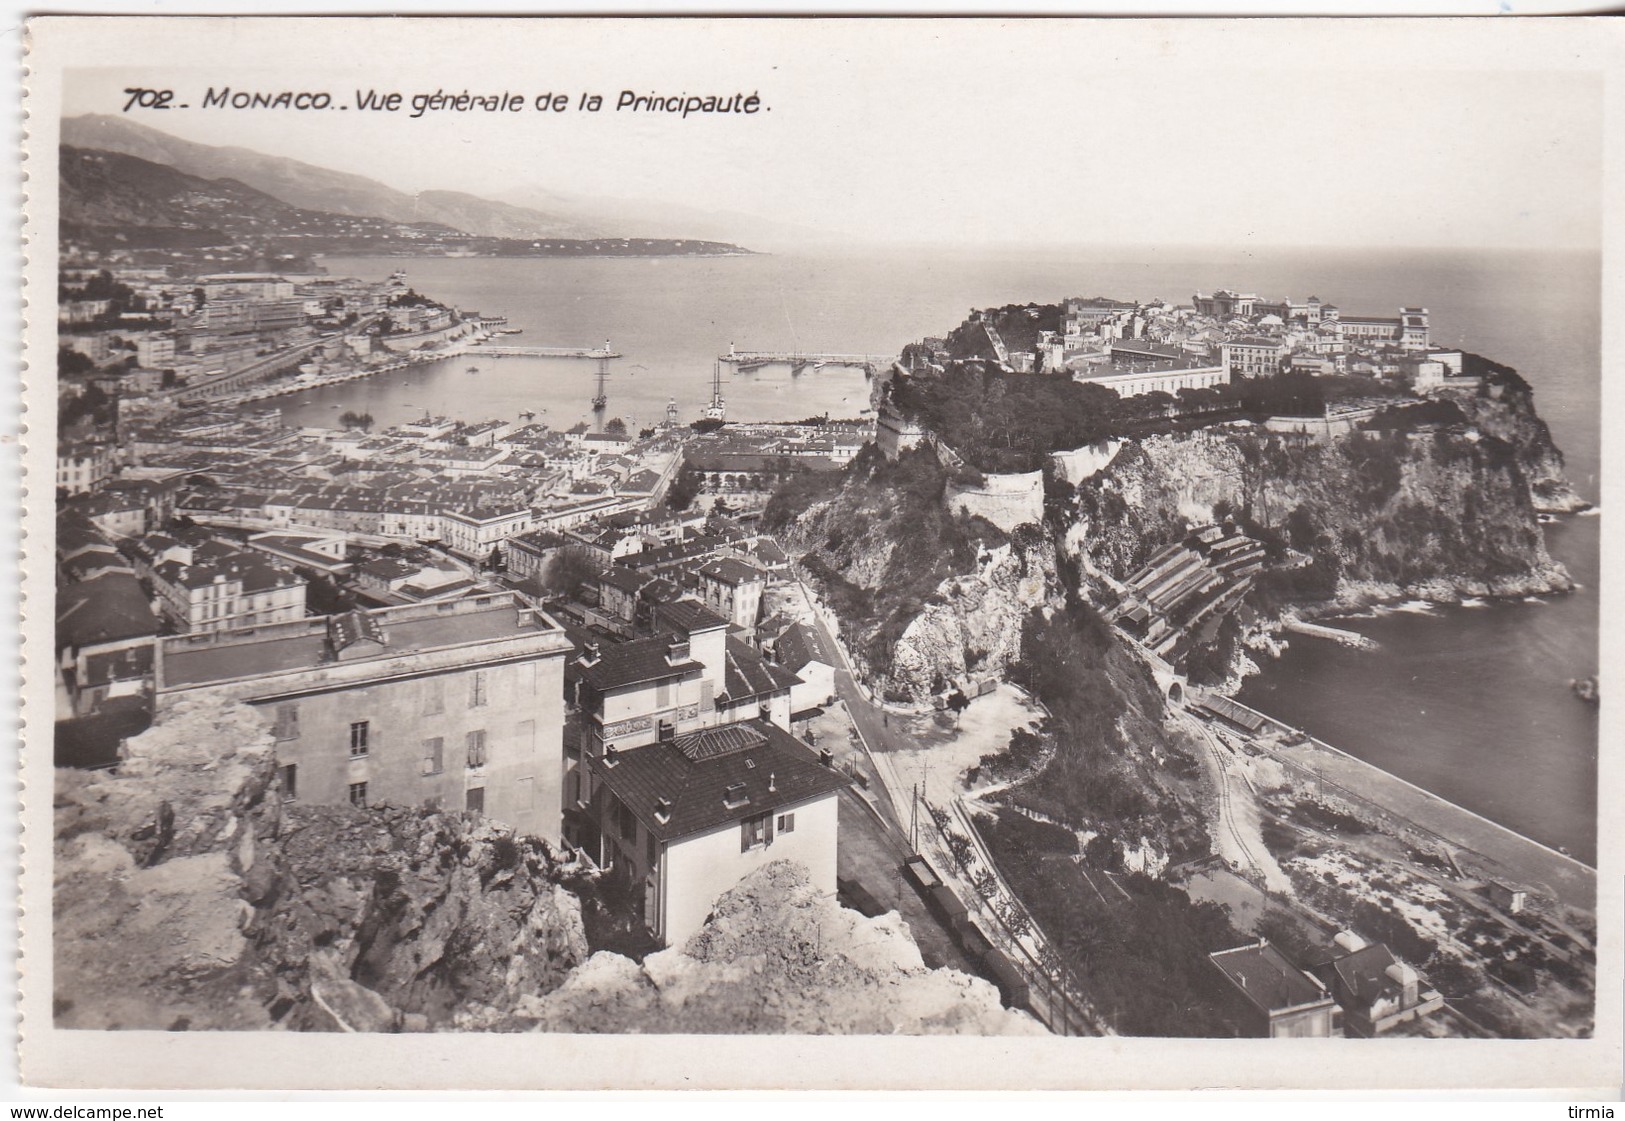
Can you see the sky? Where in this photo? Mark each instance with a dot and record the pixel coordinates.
(942, 132)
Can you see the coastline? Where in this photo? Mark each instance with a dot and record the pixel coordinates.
(1566, 878)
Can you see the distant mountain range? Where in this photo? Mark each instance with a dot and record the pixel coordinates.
(110, 196)
(529, 213)
(310, 187)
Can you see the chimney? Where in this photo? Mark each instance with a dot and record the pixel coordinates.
(589, 654)
(1405, 977)
(772, 782)
(827, 757)
(611, 755)
(677, 651)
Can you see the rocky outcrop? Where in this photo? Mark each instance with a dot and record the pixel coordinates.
(189, 895)
(777, 956)
(1426, 510)
(972, 626)
(1512, 417)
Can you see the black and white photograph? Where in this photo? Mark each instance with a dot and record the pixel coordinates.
(1081, 536)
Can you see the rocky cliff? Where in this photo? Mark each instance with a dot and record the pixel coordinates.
(1507, 412)
(924, 594)
(1437, 514)
(971, 625)
(778, 956)
(189, 895)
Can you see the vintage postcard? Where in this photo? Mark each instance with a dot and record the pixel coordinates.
(1072, 546)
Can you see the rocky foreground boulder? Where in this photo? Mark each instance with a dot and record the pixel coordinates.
(778, 956)
(190, 896)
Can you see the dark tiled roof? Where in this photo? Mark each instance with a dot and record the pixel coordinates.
(797, 647)
(100, 559)
(624, 580)
(661, 590)
(1364, 973)
(93, 741)
(110, 608)
(768, 552)
(697, 789)
(632, 663)
(751, 675)
(730, 570)
(1266, 978)
(687, 616)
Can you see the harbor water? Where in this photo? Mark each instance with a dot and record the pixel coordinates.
(1470, 702)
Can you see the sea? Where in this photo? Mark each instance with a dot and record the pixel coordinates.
(1471, 702)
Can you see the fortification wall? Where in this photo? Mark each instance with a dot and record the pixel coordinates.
(1086, 462)
(1005, 500)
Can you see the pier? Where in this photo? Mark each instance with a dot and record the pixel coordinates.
(1351, 639)
(799, 360)
(541, 351)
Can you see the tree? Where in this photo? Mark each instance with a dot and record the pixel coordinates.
(71, 363)
(683, 490)
(567, 571)
(615, 426)
(351, 419)
(959, 703)
(495, 562)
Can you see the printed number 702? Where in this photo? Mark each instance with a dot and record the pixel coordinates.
(148, 99)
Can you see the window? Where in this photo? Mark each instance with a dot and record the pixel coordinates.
(434, 755)
(663, 698)
(358, 794)
(476, 748)
(287, 722)
(474, 800)
(626, 823)
(755, 832)
(358, 739)
(476, 690)
(289, 774)
(434, 697)
(787, 823)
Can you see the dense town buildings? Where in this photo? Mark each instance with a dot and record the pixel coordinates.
(456, 704)
(1136, 348)
(376, 592)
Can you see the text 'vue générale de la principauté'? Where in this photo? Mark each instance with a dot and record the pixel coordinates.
(416, 105)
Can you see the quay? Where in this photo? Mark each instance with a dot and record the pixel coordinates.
(1342, 637)
(797, 360)
(291, 388)
(1518, 857)
(540, 351)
